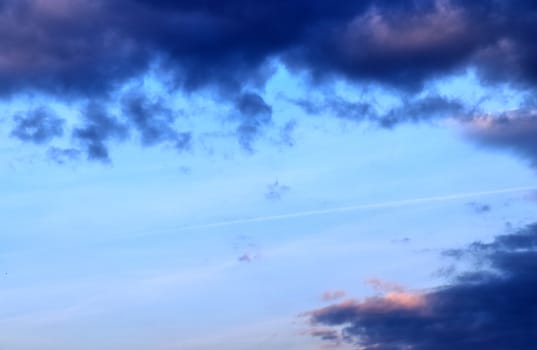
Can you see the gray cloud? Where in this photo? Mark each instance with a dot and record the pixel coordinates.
(37, 126)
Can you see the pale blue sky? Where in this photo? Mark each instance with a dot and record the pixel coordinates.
(93, 256)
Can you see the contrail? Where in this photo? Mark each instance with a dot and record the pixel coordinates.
(389, 204)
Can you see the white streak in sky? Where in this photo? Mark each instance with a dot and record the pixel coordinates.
(378, 205)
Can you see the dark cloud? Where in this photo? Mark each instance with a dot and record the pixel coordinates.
(325, 334)
(515, 131)
(89, 47)
(37, 126)
(338, 107)
(254, 115)
(412, 109)
(154, 122)
(489, 307)
(423, 109)
(99, 128)
(275, 191)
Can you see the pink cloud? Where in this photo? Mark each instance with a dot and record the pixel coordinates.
(333, 295)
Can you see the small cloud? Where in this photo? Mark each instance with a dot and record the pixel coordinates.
(479, 208)
(63, 155)
(246, 257)
(404, 240)
(325, 334)
(184, 170)
(332, 295)
(381, 285)
(286, 133)
(275, 191)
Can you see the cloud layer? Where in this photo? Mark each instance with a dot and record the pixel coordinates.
(86, 50)
(89, 46)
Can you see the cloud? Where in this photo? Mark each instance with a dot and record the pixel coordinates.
(512, 130)
(154, 122)
(404, 240)
(88, 50)
(325, 334)
(255, 114)
(275, 191)
(99, 44)
(479, 208)
(412, 109)
(63, 155)
(99, 127)
(37, 126)
(332, 295)
(488, 307)
(246, 258)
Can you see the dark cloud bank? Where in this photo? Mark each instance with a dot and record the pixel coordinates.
(85, 50)
(491, 307)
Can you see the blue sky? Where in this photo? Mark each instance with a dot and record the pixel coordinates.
(98, 255)
(193, 186)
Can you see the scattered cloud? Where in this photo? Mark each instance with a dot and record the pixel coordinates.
(276, 191)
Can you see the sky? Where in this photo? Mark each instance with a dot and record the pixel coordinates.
(291, 174)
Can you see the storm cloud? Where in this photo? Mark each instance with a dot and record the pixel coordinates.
(89, 49)
(491, 306)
